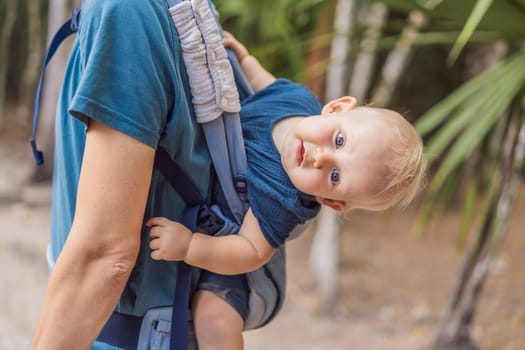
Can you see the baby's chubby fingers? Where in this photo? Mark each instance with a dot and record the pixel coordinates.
(157, 221)
(156, 255)
(154, 244)
(232, 43)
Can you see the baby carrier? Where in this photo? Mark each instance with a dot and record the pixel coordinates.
(216, 84)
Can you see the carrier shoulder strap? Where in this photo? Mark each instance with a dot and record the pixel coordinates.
(214, 83)
(68, 28)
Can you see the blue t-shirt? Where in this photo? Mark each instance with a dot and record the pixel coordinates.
(275, 202)
(125, 70)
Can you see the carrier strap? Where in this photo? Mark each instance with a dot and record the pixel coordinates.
(214, 96)
(68, 28)
(214, 93)
(177, 178)
(121, 330)
(181, 298)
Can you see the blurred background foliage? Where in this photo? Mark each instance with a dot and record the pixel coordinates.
(279, 32)
(456, 69)
(22, 44)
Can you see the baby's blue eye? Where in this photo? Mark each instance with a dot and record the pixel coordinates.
(334, 176)
(339, 140)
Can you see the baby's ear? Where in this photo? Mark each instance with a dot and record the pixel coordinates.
(342, 104)
(332, 203)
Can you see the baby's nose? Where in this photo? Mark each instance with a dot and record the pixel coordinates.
(322, 158)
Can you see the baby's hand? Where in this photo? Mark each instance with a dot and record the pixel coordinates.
(170, 240)
(240, 51)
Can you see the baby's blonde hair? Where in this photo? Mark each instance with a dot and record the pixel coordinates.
(405, 165)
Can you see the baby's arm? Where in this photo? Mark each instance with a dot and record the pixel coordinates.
(257, 75)
(227, 255)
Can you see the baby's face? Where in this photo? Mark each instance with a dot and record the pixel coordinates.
(339, 156)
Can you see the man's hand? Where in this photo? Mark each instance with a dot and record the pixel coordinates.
(170, 240)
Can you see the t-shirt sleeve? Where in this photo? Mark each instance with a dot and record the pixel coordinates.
(126, 53)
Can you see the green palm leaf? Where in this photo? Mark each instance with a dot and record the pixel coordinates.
(478, 12)
(471, 101)
(496, 100)
(506, 17)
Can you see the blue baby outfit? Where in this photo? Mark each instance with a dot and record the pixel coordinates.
(275, 202)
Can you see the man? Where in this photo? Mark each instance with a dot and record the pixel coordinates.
(124, 94)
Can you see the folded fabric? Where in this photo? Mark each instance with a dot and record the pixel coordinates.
(221, 71)
(211, 79)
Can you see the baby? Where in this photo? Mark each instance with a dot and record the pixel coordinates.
(300, 156)
(344, 157)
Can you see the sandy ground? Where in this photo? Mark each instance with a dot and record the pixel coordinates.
(392, 289)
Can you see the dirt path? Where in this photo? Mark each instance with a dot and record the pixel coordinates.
(393, 285)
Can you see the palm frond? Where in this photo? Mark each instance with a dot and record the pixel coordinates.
(478, 12)
(463, 121)
(469, 101)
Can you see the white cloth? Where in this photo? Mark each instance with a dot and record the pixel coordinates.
(220, 68)
(211, 79)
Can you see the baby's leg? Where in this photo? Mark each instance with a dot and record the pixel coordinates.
(217, 324)
(220, 306)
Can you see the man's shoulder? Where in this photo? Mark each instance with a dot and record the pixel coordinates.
(130, 12)
(128, 5)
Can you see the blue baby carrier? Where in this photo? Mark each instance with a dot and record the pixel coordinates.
(221, 125)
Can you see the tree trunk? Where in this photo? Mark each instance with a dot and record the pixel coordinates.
(397, 60)
(5, 38)
(454, 331)
(59, 11)
(372, 18)
(340, 49)
(324, 258)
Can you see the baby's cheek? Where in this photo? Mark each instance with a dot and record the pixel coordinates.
(312, 182)
(298, 179)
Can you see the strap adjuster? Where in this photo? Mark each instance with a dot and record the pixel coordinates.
(37, 154)
(75, 19)
(208, 221)
(241, 187)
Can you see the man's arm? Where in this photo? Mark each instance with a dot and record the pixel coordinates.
(257, 75)
(103, 243)
(228, 255)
